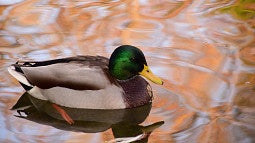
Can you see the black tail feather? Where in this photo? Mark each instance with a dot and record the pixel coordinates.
(27, 88)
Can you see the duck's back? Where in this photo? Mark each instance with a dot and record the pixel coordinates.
(80, 73)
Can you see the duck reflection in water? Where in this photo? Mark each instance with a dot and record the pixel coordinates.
(123, 122)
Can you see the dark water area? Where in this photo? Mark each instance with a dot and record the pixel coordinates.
(204, 50)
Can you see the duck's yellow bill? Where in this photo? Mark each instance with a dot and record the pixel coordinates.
(146, 72)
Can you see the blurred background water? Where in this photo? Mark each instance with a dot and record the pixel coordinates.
(203, 49)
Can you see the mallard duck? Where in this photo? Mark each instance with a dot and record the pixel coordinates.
(92, 82)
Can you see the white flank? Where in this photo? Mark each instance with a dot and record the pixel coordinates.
(20, 77)
(109, 98)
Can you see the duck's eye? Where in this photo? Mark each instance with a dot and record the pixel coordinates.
(147, 71)
(132, 59)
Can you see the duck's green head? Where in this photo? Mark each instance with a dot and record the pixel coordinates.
(127, 61)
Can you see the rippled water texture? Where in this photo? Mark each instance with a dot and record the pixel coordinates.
(203, 49)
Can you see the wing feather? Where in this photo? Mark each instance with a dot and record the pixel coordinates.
(79, 73)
